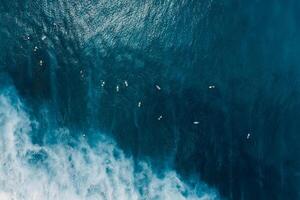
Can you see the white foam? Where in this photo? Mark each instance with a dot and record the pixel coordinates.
(59, 171)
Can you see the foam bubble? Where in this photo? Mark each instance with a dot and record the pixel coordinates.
(80, 172)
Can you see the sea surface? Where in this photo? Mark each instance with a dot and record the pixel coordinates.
(149, 100)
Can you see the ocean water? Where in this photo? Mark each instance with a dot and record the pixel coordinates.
(154, 99)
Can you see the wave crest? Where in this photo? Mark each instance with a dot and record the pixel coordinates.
(73, 172)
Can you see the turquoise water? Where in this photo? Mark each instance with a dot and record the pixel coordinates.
(147, 100)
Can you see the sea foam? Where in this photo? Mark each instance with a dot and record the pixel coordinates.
(76, 172)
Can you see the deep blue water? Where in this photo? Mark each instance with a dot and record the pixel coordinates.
(154, 99)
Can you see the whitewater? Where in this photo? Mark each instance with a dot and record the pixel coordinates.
(76, 170)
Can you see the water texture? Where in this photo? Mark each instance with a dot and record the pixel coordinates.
(154, 99)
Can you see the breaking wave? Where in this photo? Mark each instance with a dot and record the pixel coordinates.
(76, 171)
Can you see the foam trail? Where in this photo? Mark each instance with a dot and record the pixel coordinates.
(78, 172)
